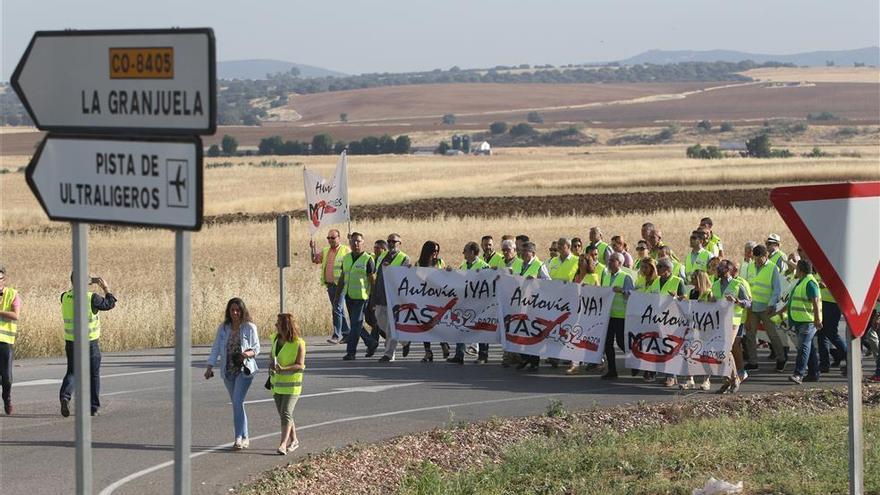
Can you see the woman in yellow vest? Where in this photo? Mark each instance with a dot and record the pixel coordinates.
(430, 257)
(286, 374)
(10, 306)
(702, 291)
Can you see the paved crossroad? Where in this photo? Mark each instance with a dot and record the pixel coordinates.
(343, 402)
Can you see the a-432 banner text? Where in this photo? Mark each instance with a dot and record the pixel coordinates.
(537, 317)
(431, 305)
(553, 319)
(666, 335)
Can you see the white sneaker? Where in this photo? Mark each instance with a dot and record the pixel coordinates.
(245, 443)
(688, 384)
(237, 444)
(671, 381)
(706, 385)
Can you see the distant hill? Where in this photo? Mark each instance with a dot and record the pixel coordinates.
(257, 69)
(869, 56)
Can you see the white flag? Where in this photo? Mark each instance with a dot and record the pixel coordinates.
(327, 201)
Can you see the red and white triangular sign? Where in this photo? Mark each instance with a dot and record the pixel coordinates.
(838, 227)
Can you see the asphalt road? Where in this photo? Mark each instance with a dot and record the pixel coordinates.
(342, 402)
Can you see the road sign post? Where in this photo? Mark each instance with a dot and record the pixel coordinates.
(837, 227)
(182, 368)
(124, 108)
(282, 239)
(81, 360)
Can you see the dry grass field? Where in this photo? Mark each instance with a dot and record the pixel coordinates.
(239, 260)
(816, 74)
(247, 187)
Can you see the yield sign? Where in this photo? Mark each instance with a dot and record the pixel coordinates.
(838, 227)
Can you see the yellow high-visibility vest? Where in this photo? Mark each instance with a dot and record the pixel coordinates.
(8, 328)
(357, 282)
(287, 382)
(67, 315)
(618, 304)
(337, 262)
(800, 307)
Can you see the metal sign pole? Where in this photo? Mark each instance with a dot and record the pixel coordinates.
(182, 361)
(282, 239)
(854, 372)
(81, 359)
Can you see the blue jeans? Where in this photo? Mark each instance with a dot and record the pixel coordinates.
(6, 369)
(829, 334)
(68, 383)
(806, 350)
(237, 387)
(356, 309)
(340, 326)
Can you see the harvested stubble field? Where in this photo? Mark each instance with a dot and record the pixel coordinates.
(545, 193)
(816, 74)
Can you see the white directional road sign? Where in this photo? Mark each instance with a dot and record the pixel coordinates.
(136, 81)
(133, 181)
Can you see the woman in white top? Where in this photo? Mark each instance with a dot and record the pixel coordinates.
(235, 347)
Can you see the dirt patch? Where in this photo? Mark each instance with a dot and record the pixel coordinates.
(365, 470)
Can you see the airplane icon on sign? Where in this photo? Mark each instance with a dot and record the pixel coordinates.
(178, 173)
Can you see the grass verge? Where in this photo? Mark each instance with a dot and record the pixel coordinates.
(789, 452)
(792, 442)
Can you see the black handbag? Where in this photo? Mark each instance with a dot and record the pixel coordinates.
(268, 384)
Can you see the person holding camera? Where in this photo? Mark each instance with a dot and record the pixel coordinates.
(287, 365)
(96, 304)
(235, 347)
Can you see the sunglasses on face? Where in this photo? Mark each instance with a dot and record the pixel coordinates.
(330, 238)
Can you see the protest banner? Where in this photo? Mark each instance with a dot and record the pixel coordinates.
(682, 338)
(327, 200)
(552, 319)
(431, 305)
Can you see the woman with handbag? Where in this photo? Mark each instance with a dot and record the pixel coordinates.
(285, 379)
(235, 346)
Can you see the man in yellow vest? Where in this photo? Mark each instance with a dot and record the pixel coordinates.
(622, 284)
(532, 267)
(805, 316)
(564, 266)
(330, 259)
(713, 242)
(472, 261)
(96, 304)
(490, 256)
(380, 247)
(604, 250)
(10, 307)
(510, 260)
(766, 289)
(698, 258)
(357, 277)
(774, 254)
(378, 298)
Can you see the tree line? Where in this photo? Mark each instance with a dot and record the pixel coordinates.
(321, 144)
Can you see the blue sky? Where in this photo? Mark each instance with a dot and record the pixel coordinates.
(396, 35)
